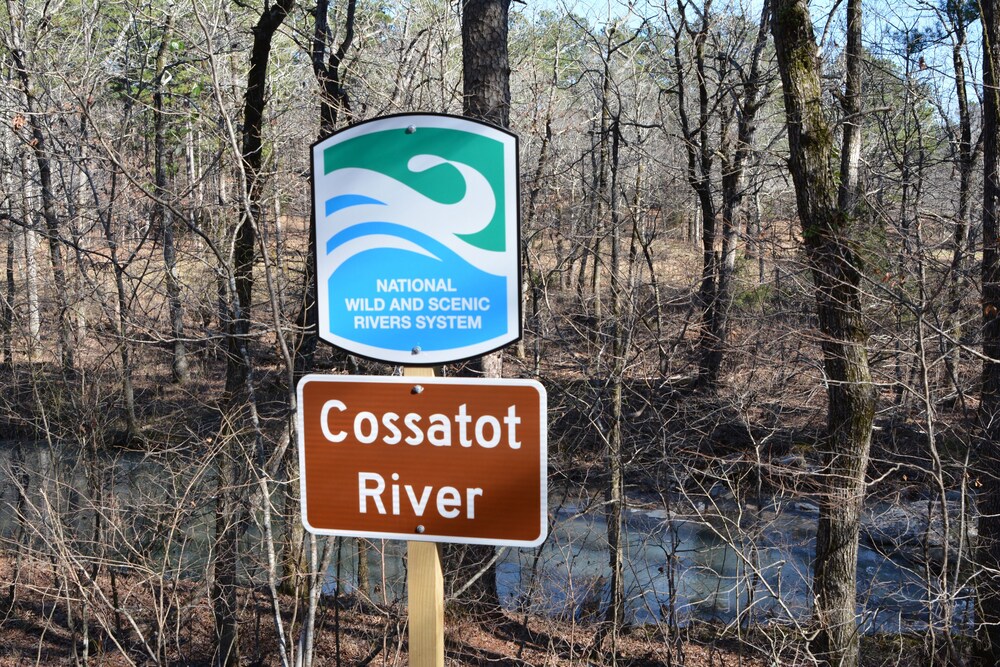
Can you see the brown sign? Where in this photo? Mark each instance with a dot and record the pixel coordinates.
(434, 459)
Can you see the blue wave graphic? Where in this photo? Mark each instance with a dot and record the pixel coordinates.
(399, 299)
(392, 229)
(341, 202)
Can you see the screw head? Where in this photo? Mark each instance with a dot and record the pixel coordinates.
(411, 129)
(420, 529)
(417, 389)
(415, 350)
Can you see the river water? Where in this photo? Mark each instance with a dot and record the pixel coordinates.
(727, 563)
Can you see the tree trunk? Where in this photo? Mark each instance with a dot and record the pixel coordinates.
(29, 245)
(163, 216)
(122, 312)
(485, 63)
(826, 228)
(700, 160)
(7, 325)
(486, 97)
(7, 315)
(39, 146)
(615, 493)
(230, 517)
(600, 199)
(988, 587)
(850, 154)
(334, 102)
(244, 249)
(364, 575)
(227, 537)
(716, 320)
(966, 159)
(532, 278)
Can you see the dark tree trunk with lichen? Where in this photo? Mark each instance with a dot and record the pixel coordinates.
(988, 587)
(244, 249)
(827, 230)
(701, 154)
(486, 97)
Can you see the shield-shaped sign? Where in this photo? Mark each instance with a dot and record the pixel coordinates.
(417, 249)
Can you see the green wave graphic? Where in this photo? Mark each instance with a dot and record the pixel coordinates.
(389, 151)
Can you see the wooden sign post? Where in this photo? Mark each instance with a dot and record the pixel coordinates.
(427, 460)
(425, 588)
(425, 599)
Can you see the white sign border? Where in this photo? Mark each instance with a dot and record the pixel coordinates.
(543, 525)
(512, 203)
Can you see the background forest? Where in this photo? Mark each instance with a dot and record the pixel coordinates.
(761, 284)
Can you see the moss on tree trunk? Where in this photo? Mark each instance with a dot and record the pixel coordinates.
(827, 230)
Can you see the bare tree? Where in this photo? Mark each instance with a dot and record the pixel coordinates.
(162, 214)
(827, 228)
(329, 68)
(39, 143)
(231, 515)
(958, 15)
(728, 93)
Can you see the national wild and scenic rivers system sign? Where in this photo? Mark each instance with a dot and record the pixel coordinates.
(417, 263)
(417, 239)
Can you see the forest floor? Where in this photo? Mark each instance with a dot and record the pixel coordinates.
(35, 629)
